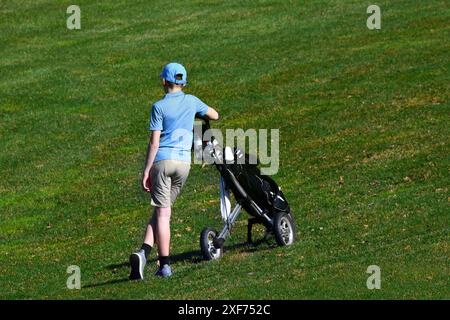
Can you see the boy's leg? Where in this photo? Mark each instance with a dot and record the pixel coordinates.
(138, 259)
(167, 182)
(179, 172)
(163, 230)
(161, 184)
(163, 240)
(150, 233)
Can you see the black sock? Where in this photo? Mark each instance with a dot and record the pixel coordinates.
(147, 249)
(163, 261)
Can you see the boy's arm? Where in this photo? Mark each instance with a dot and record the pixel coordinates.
(212, 114)
(152, 149)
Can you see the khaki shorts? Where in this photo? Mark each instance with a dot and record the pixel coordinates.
(167, 179)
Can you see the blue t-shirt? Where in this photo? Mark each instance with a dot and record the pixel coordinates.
(174, 117)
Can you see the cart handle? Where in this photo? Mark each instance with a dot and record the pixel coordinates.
(205, 120)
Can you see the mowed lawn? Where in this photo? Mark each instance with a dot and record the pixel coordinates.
(364, 150)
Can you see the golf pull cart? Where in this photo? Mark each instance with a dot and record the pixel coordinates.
(257, 194)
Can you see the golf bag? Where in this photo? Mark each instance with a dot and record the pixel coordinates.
(262, 189)
(256, 193)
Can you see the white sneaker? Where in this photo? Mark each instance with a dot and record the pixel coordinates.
(137, 263)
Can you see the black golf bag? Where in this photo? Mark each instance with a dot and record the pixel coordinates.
(262, 189)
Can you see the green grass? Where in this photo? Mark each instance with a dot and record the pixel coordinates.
(364, 151)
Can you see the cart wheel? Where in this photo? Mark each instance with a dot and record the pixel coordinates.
(209, 252)
(284, 228)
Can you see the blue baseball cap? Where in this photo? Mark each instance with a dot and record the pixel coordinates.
(175, 73)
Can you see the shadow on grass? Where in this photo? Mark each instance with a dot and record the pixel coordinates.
(190, 256)
(195, 256)
(106, 283)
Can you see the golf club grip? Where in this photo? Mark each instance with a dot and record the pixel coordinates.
(205, 120)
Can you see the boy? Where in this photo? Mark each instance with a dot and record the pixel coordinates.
(168, 163)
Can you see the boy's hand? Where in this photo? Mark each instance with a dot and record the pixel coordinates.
(212, 114)
(146, 183)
